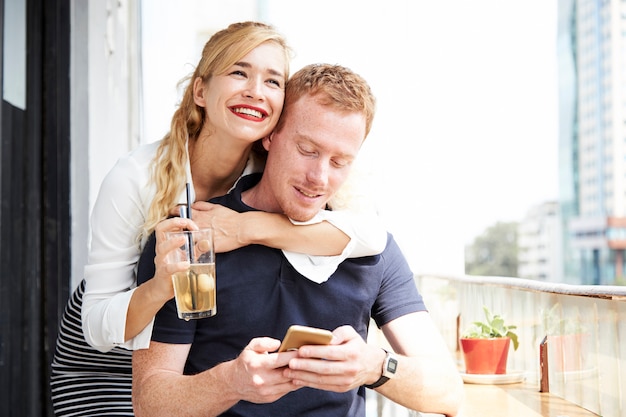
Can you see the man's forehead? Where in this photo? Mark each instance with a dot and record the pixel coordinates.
(312, 118)
(336, 141)
(309, 104)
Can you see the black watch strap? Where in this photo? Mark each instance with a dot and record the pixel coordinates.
(390, 365)
(378, 383)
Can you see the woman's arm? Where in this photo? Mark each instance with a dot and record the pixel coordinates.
(276, 230)
(327, 234)
(116, 221)
(315, 249)
(234, 230)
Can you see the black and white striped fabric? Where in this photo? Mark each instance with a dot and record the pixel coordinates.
(84, 381)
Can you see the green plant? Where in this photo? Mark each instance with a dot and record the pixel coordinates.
(493, 327)
(554, 324)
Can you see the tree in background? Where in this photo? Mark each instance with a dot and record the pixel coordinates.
(494, 253)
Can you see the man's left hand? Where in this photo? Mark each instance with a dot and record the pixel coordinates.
(348, 362)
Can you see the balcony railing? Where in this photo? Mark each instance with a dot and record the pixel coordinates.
(584, 327)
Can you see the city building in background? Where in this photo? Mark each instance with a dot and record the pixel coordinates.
(592, 159)
(539, 244)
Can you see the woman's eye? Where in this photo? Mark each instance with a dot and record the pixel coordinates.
(239, 73)
(275, 82)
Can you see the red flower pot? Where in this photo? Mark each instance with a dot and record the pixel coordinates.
(568, 351)
(485, 356)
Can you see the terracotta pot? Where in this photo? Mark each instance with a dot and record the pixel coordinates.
(485, 356)
(568, 351)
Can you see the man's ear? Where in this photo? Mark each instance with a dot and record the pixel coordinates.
(267, 141)
(198, 92)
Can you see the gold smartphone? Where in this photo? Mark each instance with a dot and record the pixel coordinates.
(297, 336)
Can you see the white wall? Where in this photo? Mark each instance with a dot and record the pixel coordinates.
(104, 118)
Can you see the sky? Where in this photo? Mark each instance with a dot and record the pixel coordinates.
(465, 133)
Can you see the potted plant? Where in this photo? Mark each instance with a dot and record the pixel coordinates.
(485, 345)
(566, 339)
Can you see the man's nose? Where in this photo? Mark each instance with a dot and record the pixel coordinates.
(318, 173)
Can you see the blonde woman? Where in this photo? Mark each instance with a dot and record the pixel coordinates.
(233, 99)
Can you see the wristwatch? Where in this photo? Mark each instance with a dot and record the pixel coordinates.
(390, 365)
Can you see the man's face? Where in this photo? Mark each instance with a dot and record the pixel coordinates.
(310, 158)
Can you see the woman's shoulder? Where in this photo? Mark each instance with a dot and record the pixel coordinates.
(139, 158)
(144, 153)
(135, 165)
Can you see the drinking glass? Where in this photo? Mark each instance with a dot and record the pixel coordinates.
(194, 289)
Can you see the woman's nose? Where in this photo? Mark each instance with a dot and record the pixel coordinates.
(254, 89)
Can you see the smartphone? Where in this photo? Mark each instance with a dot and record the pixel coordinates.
(297, 336)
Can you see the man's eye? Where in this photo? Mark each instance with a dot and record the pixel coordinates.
(306, 151)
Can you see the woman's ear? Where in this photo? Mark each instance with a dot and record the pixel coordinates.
(198, 92)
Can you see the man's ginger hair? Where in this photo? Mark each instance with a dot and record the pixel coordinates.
(333, 85)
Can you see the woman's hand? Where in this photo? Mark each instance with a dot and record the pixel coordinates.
(163, 270)
(228, 225)
(150, 296)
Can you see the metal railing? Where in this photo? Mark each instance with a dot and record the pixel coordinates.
(584, 326)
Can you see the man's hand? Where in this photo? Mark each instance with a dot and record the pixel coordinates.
(161, 389)
(258, 376)
(348, 362)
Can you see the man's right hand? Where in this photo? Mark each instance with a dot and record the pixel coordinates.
(161, 389)
(258, 375)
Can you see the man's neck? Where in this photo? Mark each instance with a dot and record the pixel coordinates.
(260, 197)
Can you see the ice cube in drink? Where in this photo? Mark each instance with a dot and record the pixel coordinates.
(194, 291)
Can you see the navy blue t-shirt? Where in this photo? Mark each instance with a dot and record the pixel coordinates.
(259, 293)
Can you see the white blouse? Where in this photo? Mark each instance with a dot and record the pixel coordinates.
(119, 213)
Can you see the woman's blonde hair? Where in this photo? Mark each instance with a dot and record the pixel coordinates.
(222, 50)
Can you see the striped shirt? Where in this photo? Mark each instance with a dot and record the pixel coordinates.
(84, 381)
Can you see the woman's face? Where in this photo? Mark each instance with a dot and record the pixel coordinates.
(246, 101)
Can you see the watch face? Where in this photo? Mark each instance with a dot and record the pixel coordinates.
(392, 365)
